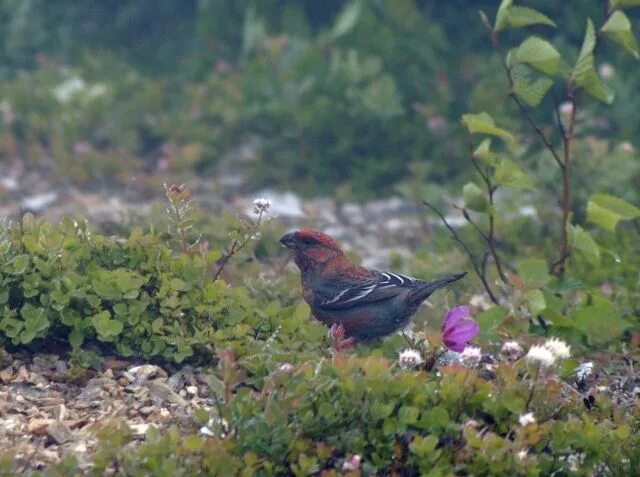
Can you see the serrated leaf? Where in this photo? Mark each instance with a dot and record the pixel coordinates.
(517, 17)
(474, 198)
(483, 123)
(539, 54)
(584, 74)
(531, 93)
(509, 174)
(618, 28)
(347, 19)
(582, 241)
(606, 211)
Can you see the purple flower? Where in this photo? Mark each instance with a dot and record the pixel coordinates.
(458, 328)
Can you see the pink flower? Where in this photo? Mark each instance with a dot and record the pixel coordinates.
(459, 328)
(352, 463)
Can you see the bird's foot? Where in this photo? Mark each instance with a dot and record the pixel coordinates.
(346, 344)
(337, 331)
(337, 335)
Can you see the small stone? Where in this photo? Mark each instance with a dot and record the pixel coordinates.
(108, 374)
(139, 430)
(22, 376)
(38, 427)
(6, 375)
(59, 432)
(146, 410)
(146, 372)
(192, 390)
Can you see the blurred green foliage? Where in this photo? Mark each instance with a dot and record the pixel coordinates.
(328, 94)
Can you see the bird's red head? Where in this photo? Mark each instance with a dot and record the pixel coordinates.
(312, 249)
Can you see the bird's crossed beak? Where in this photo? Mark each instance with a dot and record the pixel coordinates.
(289, 240)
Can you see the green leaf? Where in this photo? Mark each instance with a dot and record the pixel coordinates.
(105, 290)
(489, 320)
(474, 198)
(76, 337)
(584, 74)
(625, 3)
(509, 174)
(347, 19)
(582, 241)
(600, 322)
(106, 327)
(512, 16)
(531, 92)
(484, 152)
(483, 123)
(534, 271)
(535, 300)
(423, 446)
(539, 54)
(607, 210)
(618, 28)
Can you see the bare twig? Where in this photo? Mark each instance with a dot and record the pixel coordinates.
(488, 237)
(467, 250)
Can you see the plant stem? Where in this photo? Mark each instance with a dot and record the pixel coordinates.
(468, 251)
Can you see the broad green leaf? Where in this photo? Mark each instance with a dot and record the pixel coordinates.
(607, 210)
(474, 198)
(532, 93)
(582, 241)
(536, 301)
(76, 337)
(484, 152)
(584, 74)
(106, 327)
(105, 290)
(600, 321)
(534, 271)
(347, 19)
(509, 174)
(483, 123)
(539, 54)
(625, 3)
(618, 29)
(489, 320)
(512, 16)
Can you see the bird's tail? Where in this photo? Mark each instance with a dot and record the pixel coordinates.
(425, 289)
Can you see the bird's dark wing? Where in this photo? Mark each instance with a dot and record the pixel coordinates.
(338, 295)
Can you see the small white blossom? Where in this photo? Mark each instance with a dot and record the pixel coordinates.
(205, 431)
(261, 205)
(69, 89)
(285, 368)
(541, 356)
(471, 355)
(512, 348)
(566, 108)
(584, 370)
(606, 71)
(522, 455)
(409, 358)
(626, 146)
(559, 349)
(352, 463)
(526, 419)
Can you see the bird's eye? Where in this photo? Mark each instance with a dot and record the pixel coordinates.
(308, 241)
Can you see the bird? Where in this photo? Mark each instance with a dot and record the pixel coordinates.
(357, 302)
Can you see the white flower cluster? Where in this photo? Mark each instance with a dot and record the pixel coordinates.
(512, 349)
(471, 355)
(584, 370)
(261, 205)
(409, 358)
(548, 353)
(526, 419)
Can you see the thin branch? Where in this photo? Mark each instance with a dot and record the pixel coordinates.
(470, 254)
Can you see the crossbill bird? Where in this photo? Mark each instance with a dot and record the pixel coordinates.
(355, 301)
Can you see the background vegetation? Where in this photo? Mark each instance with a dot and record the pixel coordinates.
(523, 117)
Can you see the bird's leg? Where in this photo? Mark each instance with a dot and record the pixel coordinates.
(337, 331)
(337, 334)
